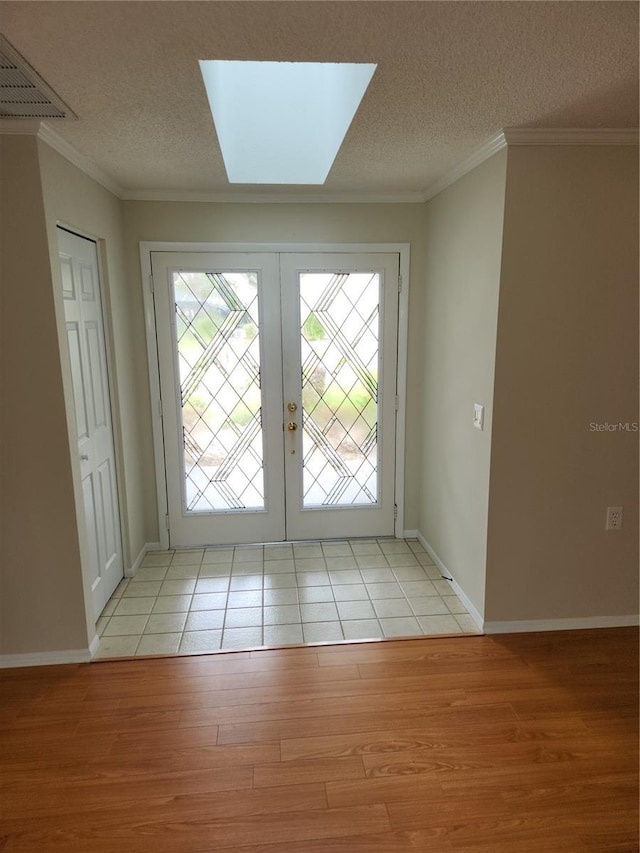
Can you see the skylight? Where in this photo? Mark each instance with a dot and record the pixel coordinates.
(282, 122)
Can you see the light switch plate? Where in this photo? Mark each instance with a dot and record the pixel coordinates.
(478, 416)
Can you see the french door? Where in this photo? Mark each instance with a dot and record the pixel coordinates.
(278, 388)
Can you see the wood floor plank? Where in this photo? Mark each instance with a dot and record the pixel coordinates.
(445, 676)
(605, 723)
(444, 665)
(34, 801)
(294, 708)
(391, 789)
(529, 700)
(65, 713)
(320, 726)
(260, 695)
(285, 679)
(293, 652)
(568, 780)
(507, 744)
(127, 721)
(428, 730)
(144, 766)
(450, 649)
(484, 757)
(206, 834)
(301, 772)
(156, 741)
(440, 812)
(162, 809)
(474, 802)
(560, 844)
(385, 842)
(518, 832)
(617, 792)
(24, 746)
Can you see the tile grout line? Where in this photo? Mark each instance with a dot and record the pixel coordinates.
(339, 622)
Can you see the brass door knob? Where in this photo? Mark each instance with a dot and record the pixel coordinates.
(291, 426)
(292, 407)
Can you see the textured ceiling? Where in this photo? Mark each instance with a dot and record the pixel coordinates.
(450, 75)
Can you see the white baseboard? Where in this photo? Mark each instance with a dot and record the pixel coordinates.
(528, 625)
(455, 586)
(93, 648)
(410, 534)
(71, 655)
(46, 658)
(148, 546)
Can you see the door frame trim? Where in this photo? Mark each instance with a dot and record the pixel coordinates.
(147, 247)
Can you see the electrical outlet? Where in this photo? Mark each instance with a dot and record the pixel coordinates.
(614, 518)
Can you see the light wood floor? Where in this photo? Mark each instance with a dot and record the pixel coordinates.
(512, 744)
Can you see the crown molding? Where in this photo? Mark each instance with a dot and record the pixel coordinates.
(53, 140)
(35, 127)
(533, 136)
(274, 198)
(507, 136)
(571, 136)
(19, 126)
(491, 147)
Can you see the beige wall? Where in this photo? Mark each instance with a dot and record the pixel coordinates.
(290, 223)
(567, 356)
(41, 596)
(75, 200)
(463, 241)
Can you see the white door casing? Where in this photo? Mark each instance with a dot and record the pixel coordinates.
(281, 269)
(93, 420)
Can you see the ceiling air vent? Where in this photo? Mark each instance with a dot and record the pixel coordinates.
(23, 93)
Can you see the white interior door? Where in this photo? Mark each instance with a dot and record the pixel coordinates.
(85, 338)
(278, 386)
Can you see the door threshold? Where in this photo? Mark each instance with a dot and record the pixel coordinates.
(297, 646)
(282, 542)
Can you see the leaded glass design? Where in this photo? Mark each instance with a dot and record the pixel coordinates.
(218, 351)
(339, 314)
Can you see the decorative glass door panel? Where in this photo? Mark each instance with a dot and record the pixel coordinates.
(339, 320)
(218, 349)
(278, 377)
(339, 342)
(220, 366)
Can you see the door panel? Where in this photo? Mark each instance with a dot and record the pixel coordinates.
(277, 376)
(85, 337)
(107, 491)
(98, 390)
(339, 340)
(73, 340)
(92, 531)
(219, 352)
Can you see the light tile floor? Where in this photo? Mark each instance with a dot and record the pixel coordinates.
(225, 598)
